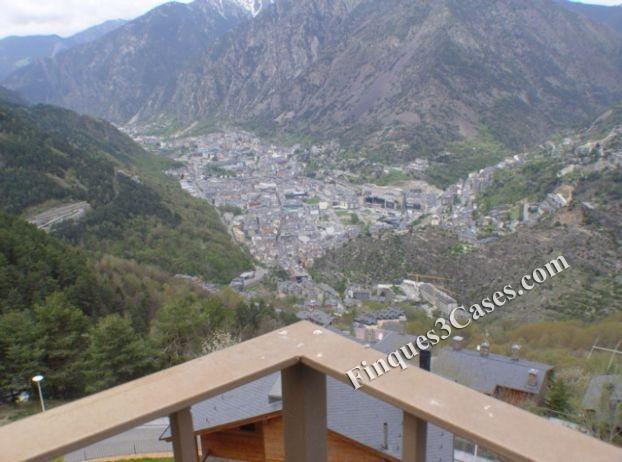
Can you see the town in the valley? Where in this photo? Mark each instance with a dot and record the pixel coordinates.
(287, 218)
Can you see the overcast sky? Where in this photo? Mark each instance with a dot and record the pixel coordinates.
(66, 17)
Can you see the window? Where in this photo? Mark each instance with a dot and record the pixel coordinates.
(250, 428)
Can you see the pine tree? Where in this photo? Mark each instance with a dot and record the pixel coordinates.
(182, 326)
(116, 354)
(558, 398)
(62, 336)
(19, 354)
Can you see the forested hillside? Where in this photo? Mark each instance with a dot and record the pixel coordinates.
(95, 302)
(52, 156)
(89, 323)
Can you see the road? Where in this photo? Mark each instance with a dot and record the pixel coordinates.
(139, 440)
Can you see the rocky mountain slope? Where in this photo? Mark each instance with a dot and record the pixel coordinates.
(611, 16)
(408, 74)
(16, 52)
(116, 76)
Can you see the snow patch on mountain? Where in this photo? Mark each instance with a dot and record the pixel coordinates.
(254, 6)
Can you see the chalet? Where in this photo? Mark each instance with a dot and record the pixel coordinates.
(246, 424)
(511, 379)
(238, 411)
(602, 401)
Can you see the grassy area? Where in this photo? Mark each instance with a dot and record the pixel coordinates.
(394, 176)
(313, 201)
(10, 412)
(464, 157)
(531, 181)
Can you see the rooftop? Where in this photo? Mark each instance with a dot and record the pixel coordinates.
(602, 391)
(356, 416)
(305, 353)
(485, 373)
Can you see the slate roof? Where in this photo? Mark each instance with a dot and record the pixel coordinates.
(596, 391)
(316, 316)
(392, 341)
(355, 415)
(386, 314)
(390, 313)
(366, 318)
(486, 373)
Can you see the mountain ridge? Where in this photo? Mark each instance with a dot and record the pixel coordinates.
(113, 77)
(18, 51)
(428, 72)
(330, 80)
(608, 15)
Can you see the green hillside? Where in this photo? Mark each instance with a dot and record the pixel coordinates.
(52, 156)
(90, 323)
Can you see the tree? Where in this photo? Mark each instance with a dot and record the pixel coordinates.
(182, 325)
(62, 336)
(116, 354)
(557, 400)
(19, 354)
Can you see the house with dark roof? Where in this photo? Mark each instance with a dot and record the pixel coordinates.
(246, 424)
(316, 316)
(510, 378)
(603, 401)
(372, 326)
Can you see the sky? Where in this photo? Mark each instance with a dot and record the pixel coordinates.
(66, 17)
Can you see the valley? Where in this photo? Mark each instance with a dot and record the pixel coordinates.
(305, 221)
(182, 181)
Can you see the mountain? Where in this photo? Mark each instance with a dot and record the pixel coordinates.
(409, 75)
(254, 6)
(95, 188)
(608, 15)
(420, 72)
(117, 74)
(16, 52)
(12, 97)
(94, 32)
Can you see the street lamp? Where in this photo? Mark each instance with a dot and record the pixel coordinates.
(38, 379)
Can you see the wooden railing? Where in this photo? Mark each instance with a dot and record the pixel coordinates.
(305, 354)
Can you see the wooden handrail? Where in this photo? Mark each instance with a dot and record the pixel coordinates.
(505, 429)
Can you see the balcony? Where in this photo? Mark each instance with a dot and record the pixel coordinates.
(305, 355)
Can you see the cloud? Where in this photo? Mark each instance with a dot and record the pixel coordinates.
(65, 17)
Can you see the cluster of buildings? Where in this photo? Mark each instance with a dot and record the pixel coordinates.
(288, 220)
(425, 295)
(460, 201)
(284, 218)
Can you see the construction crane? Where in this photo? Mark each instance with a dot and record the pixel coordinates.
(418, 277)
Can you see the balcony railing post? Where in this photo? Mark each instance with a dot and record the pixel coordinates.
(304, 414)
(415, 439)
(182, 433)
(416, 430)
